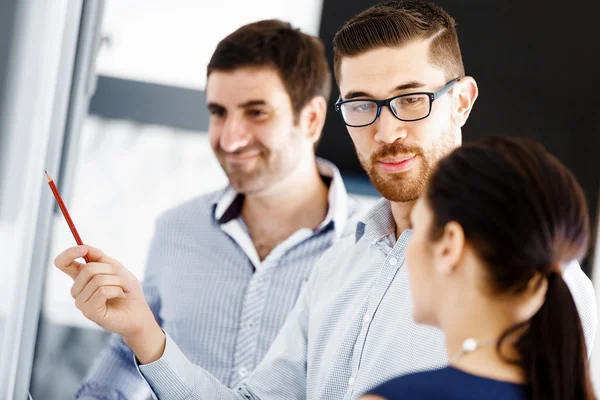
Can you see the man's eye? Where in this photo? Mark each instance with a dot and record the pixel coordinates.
(364, 107)
(256, 113)
(411, 100)
(216, 112)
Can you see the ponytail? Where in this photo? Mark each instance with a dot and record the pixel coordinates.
(552, 350)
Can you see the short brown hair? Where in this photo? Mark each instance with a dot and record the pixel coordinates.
(299, 58)
(396, 23)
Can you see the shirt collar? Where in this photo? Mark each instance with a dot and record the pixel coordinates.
(377, 223)
(229, 205)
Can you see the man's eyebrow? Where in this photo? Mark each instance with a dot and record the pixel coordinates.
(409, 85)
(354, 94)
(213, 105)
(251, 103)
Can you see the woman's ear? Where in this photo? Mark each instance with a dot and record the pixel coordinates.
(449, 248)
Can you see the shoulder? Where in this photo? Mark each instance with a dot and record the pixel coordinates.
(346, 250)
(407, 387)
(196, 210)
(448, 383)
(582, 290)
(340, 250)
(358, 205)
(187, 230)
(415, 383)
(421, 385)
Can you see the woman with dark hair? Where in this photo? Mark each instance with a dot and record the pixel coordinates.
(499, 219)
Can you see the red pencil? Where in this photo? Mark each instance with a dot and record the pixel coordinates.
(65, 212)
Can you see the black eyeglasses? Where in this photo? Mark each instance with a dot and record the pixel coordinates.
(406, 107)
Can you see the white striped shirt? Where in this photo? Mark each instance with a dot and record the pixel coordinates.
(351, 330)
(208, 288)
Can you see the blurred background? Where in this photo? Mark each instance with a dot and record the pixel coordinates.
(108, 96)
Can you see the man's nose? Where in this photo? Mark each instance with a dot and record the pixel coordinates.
(234, 135)
(389, 128)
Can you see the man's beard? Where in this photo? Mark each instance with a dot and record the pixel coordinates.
(406, 186)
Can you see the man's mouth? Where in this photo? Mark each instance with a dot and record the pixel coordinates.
(241, 157)
(397, 164)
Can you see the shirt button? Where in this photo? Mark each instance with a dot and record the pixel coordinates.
(366, 318)
(250, 324)
(243, 372)
(351, 381)
(393, 261)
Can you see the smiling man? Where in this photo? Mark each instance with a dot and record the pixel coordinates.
(225, 268)
(405, 98)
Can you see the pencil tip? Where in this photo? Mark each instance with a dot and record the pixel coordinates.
(45, 171)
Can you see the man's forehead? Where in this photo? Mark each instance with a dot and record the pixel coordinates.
(380, 70)
(243, 85)
(245, 76)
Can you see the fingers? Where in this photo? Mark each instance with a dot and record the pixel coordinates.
(65, 261)
(95, 307)
(96, 282)
(95, 271)
(96, 255)
(102, 282)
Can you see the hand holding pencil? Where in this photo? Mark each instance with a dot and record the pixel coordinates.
(65, 212)
(111, 296)
(108, 294)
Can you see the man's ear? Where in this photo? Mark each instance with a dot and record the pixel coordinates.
(464, 94)
(313, 117)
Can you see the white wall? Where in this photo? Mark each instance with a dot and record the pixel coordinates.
(127, 174)
(171, 42)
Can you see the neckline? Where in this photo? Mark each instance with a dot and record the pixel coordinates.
(487, 378)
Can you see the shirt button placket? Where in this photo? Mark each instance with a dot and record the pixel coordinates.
(249, 332)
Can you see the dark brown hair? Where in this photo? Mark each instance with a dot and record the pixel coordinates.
(396, 23)
(299, 58)
(525, 215)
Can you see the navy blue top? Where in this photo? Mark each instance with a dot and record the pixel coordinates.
(449, 384)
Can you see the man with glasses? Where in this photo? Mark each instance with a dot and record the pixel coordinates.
(352, 328)
(357, 113)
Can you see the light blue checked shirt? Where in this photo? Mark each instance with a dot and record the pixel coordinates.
(350, 331)
(209, 289)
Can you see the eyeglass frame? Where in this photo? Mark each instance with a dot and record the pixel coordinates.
(381, 103)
